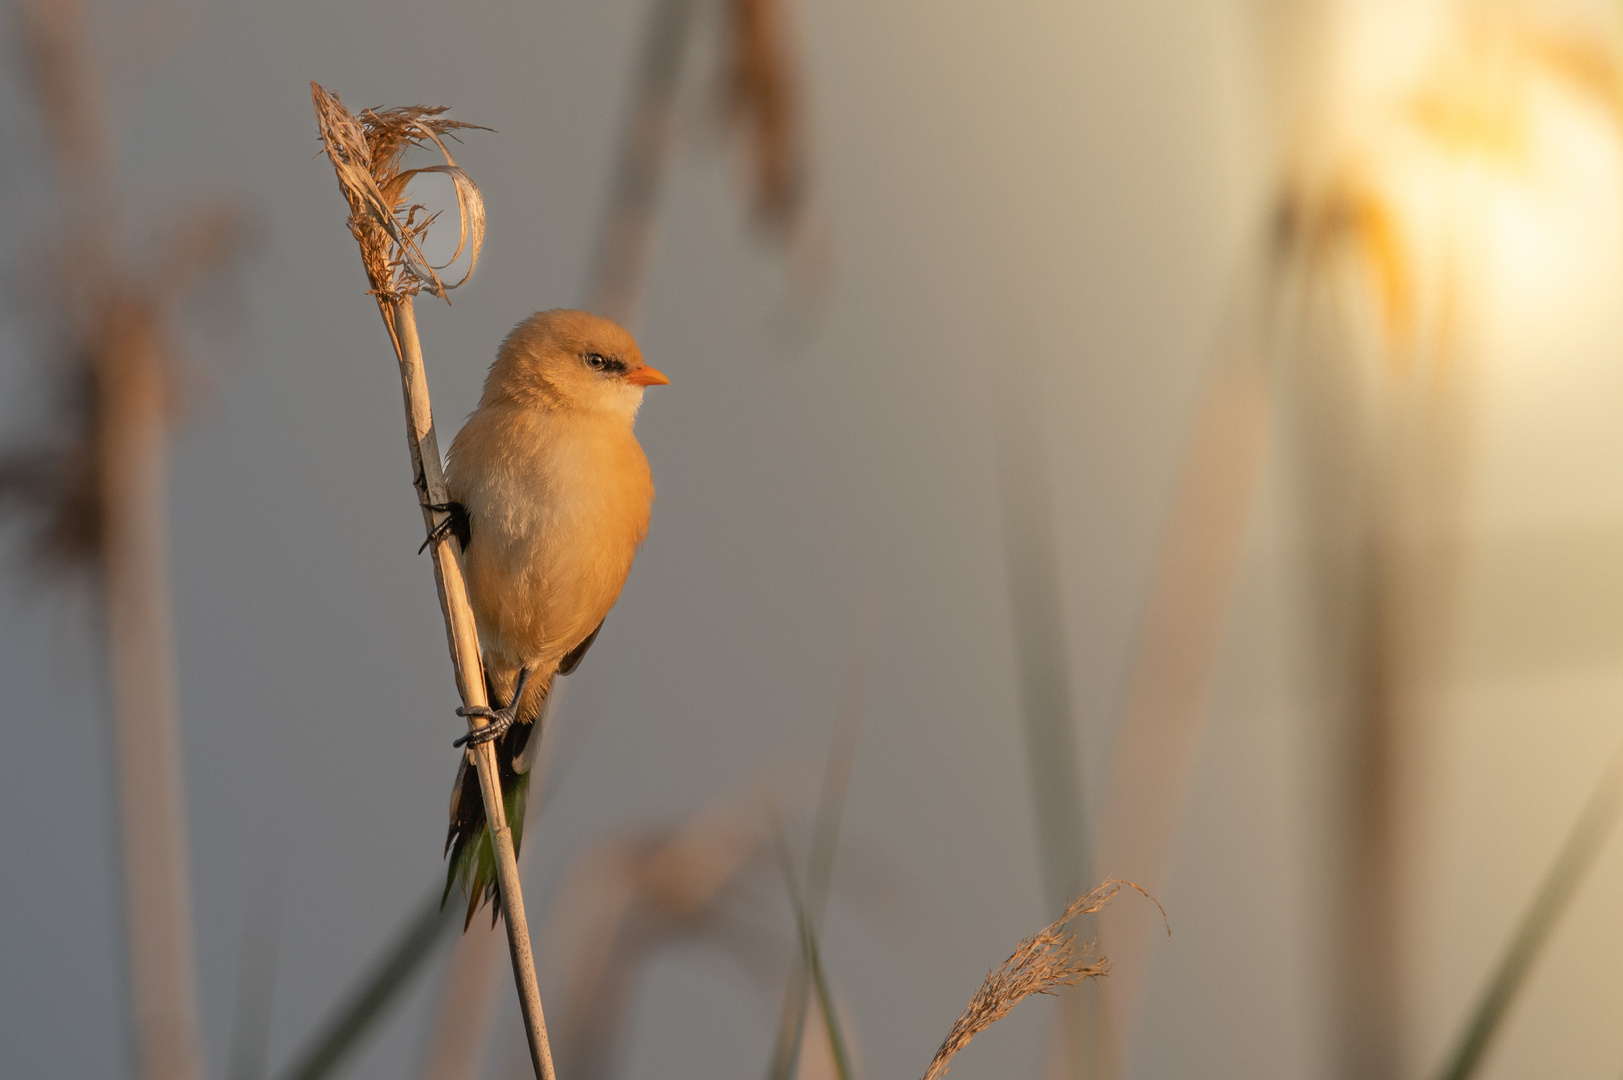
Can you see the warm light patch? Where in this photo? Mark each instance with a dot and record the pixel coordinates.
(1471, 175)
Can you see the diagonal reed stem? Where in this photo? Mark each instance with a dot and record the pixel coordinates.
(401, 321)
(1578, 853)
(1037, 619)
(366, 1003)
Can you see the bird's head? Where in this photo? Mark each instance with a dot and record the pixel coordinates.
(571, 361)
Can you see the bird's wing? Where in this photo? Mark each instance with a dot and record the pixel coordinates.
(461, 523)
(572, 660)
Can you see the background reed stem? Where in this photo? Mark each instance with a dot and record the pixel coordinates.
(141, 650)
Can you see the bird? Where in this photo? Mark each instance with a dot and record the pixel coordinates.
(550, 495)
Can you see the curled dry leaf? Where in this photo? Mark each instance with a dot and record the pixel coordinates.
(366, 152)
(1048, 959)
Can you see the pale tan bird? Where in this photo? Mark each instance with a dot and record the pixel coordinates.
(551, 499)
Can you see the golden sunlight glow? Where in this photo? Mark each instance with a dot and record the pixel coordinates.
(1475, 170)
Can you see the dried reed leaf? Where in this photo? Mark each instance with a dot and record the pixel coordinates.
(366, 152)
(1041, 963)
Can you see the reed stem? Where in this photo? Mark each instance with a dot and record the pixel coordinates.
(400, 319)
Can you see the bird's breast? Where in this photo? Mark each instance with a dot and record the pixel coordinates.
(558, 506)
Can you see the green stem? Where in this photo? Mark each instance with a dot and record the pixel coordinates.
(1583, 844)
(368, 1001)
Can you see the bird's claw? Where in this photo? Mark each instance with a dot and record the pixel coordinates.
(499, 719)
(455, 524)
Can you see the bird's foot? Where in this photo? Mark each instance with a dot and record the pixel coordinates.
(455, 524)
(499, 719)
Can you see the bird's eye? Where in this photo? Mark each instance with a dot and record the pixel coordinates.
(596, 361)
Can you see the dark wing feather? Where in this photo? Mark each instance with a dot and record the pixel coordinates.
(572, 661)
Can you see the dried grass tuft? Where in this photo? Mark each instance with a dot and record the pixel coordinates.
(366, 152)
(1041, 964)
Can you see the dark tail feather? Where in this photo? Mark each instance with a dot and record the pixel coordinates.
(473, 862)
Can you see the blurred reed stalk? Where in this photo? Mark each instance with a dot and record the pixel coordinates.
(627, 897)
(811, 977)
(133, 394)
(249, 1049)
(101, 486)
(460, 1029)
(627, 235)
(808, 987)
(1037, 618)
(366, 154)
(1379, 438)
(702, 880)
(760, 93)
(338, 1038)
(1175, 661)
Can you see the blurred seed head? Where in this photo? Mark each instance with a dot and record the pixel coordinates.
(761, 96)
(1470, 110)
(90, 307)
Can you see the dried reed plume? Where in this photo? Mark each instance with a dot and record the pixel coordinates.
(366, 154)
(1042, 963)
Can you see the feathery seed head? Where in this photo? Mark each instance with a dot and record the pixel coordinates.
(366, 152)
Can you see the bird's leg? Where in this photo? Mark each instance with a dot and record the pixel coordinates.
(500, 719)
(455, 524)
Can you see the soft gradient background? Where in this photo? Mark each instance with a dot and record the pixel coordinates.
(1063, 194)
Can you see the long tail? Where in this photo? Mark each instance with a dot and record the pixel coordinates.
(472, 860)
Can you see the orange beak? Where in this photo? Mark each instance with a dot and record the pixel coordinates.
(646, 376)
